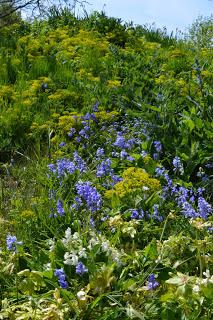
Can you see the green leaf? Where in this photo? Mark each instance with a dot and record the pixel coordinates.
(208, 291)
(190, 124)
(152, 108)
(175, 280)
(198, 123)
(132, 313)
(167, 297)
(150, 251)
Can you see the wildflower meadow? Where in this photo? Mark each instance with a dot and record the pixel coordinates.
(106, 171)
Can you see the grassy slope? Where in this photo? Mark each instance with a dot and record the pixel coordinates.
(157, 88)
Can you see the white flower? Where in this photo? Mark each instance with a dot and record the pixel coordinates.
(51, 244)
(92, 243)
(75, 236)
(68, 233)
(70, 259)
(105, 246)
(47, 266)
(145, 188)
(196, 288)
(68, 237)
(82, 253)
(81, 295)
(130, 231)
(207, 273)
(115, 255)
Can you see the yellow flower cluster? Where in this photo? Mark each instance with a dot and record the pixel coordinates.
(104, 116)
(68, 121)
(113, 83)
(135, 181)
(60, 94)
(7, 93)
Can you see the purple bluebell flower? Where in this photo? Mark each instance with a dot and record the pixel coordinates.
(188, 211)
(210, 229)
(209, 165)
(52, 167)
(87, 128)
(155, 156)
(93, 117)
(60, 208)
(99, 153)
(152, 283)
(104, 168)
(115, 154)
(12, 242)
(156, 215)
(79, 162)
(95, 107)
(53, 214)
(134, 213)
(131, 142)
(87, 116)
(116, 179)
(72, 132)
(62, 144)
(158, 146)
(143, 154)
(90, 195)
(92, 222)
(83, 134)
(129, 158)
(103, 219)
(80, 268)
(191, 196)
(178, 166)
(200, 191)
(123, 154)
(182, 195)
(204, 208)
(60, 274)
(120, 141)
(64, 165)
(205, 177)
(159, 96)
(160, 171)
(77, 204)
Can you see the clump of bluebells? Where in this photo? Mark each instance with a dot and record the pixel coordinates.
(178, 166)
(137, 213)
(60, 274)
(81, 269)
(88, 195)
(65, 166)
(60, 208)
(12, 243)
(104, 168)
(152, 283)
(191, 202)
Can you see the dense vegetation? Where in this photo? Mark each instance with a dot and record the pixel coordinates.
(106, 161)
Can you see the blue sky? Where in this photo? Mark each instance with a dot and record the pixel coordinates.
(174, 14)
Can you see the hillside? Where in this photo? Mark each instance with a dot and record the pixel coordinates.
(106, 161)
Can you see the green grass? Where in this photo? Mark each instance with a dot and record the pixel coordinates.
(138, 216)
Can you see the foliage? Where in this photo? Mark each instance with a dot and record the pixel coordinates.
(201, 32)
(105, 172)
